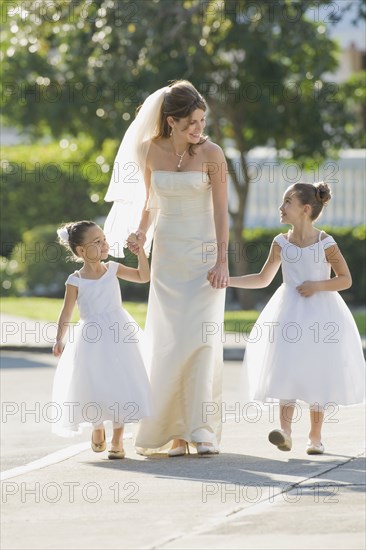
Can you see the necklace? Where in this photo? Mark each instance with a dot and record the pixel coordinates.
(179, 155)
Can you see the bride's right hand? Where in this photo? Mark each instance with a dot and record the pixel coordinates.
(135, 240)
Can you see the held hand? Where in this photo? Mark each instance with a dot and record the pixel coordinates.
(308, 288)
(135, 241)
(218, 276)
(132, 243)
(58, 348)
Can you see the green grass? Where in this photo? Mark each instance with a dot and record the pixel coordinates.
(48, 309)
(240, 321)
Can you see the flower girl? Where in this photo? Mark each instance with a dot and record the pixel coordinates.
(101, 374)
(305, 344)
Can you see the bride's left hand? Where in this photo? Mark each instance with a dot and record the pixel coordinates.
(218, 276)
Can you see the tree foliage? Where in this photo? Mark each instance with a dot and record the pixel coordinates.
(73, 67)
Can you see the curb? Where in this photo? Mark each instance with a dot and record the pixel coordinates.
(234, 354)
(230, 354)
(29, 349)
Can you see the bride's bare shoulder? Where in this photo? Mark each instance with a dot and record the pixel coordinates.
(157, 145)
(212, 151)
(156, 151)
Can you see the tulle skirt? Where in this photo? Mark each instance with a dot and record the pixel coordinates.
(101, 375)
(307, 349)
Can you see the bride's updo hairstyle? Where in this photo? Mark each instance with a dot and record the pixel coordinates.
(316, 195)
(180, 100)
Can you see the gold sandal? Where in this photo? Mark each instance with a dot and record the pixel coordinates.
(98, 447)
(116, 454)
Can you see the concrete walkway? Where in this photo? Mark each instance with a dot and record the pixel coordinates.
(250, 496)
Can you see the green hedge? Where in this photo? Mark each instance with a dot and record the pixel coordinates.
(52, 183)
(38, 265)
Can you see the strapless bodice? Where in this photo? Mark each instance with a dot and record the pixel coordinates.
(182, 193)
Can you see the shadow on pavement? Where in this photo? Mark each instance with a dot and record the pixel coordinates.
(245, 469)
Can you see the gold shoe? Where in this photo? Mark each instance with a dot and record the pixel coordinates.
(99, 447)
(179, 451)
(116, 454)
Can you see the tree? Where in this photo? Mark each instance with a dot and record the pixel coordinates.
(261, 66)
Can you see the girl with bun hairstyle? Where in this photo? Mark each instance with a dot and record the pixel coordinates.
(305, 344)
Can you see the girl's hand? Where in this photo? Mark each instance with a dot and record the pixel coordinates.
(218, 276)
(308, 288)
(58, 348)
(135, 241)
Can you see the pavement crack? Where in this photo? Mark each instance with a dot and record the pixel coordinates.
(291, 486)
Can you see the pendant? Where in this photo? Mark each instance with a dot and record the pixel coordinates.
(179, 155)
(180, 159)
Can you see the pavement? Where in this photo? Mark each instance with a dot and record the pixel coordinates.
(57, 493)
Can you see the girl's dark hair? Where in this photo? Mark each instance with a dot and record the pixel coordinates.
(315, 194)
(180, 101)
(76, 232)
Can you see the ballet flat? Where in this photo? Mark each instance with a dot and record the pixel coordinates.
(281, 439)
(312, 449)
(98, 447)
(206, 449)
(179, 451)
(116, 454)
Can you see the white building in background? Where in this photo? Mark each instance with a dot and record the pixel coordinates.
(270, 178)
(351, 60)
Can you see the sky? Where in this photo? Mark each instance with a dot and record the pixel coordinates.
(344, 31)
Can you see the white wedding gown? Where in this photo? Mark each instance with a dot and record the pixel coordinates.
(184, 317)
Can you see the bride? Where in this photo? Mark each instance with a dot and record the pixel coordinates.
(175, 178)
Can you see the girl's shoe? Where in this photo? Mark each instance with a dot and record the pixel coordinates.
(98, 447)
(281, 439)
(179, 451)
(312, 449)
(116, 454)
(206, 449)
